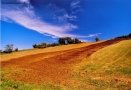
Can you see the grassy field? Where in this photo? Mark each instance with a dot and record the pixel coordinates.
(88, 66)
(109, 68)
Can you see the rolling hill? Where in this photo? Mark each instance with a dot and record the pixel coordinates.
(104, 65)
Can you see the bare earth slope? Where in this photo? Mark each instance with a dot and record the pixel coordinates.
(6, 57)
(54, 67)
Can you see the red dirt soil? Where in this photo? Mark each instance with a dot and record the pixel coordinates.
(54, 67)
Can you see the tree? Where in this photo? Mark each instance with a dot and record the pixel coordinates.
(44, 45)
(35, 46)
(9, 48)
(129, 35)
(48, 45)
(16, 49)
(54, 44)
(76, 40)
(39, 46)
(0, 51)
(61, 41)
(69, 40)
(97, 39)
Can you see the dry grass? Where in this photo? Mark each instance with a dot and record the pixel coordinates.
(108, 68)
(6, 57)
(18, 54)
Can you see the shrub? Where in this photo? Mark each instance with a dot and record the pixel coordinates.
(40, 46)
(129, 35)
(48, 45)
(43, 45)
(16, 49)
(35, 46)
(55, 44)
(0, 51)
(76, 41)
(97, 39)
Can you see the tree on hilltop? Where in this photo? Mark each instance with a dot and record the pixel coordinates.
(61, 41)
(9, 48)
(97, 39)
(129, 35)
(35, 46)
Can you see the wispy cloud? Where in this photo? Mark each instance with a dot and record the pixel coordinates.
(94, 35)
(75, 4)
(67, 17)
(26, 17)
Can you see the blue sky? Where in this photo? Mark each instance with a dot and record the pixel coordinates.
(39, 21)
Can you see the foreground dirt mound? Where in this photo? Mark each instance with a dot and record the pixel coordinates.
(54, 67)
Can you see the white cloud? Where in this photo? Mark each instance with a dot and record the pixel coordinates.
(27, 18)
(70, 17)
(94, 35)
(5, 19)
(27, 1)
(54, 37)
(84, 40)
(75, 4)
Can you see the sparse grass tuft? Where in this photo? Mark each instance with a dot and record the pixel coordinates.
(124, 70)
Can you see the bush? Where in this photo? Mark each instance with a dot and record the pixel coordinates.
(40, 46)
(0, 51)
(97, 39)
(43, 45)
(16, 49)
(35, 46)
(129, 35)
(55, 44)
(48, 45)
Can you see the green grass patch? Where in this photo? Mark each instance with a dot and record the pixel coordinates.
(126, 71)
(18, 85)
(109, 72)
(8, 84)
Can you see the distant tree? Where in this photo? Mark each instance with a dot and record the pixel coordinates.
(0, 51)
(76, 40)
(39, 46)
(35, 46)
(61, 41)
(97, 39)
(69, 40)
(54, 44)
(44, 45)
(129, 35)
(9, 48)
(48, 45)
(16, 49)
(72, 41)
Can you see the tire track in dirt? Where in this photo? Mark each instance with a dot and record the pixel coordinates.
(54, 67)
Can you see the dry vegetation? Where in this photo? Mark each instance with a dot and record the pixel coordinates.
(92, 66)
(6, 57)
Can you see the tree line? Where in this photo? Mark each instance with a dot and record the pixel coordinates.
(61, 41)
(9, 49)
(124, 36)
